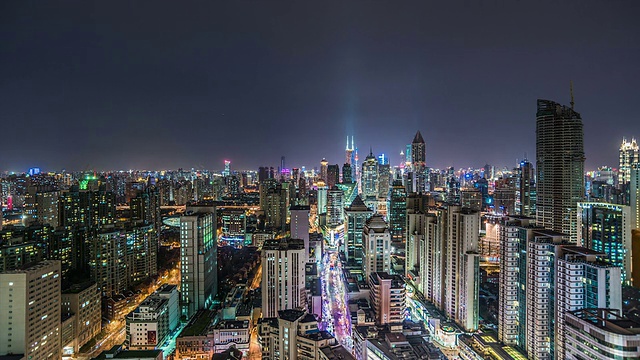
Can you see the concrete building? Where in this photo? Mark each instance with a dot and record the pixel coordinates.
(634, 196)
(293, 334)
(155, 318)
(376, 247)
(82, 303)
(283, 274)
(356, 216)
(300, 223)
(397, 214)
(335, 207)
(606, 228)
(30, 311)
(461, 271)
(526, 195)
(560, 166)
(388, 297)
(628, 156)
(601, 334)
(198, 255)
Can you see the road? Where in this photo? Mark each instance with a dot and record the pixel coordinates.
(335, 306)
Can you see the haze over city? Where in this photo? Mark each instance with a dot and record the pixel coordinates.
(123, 86)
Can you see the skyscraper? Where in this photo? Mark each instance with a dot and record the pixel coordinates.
(525, 189)
(634, 193)
(560, 166)
(333, 175)
(376, 246)
(356, 216)
(323, 169)
(369, 181)
(300, 223)
(198, 267)
(628, 157)
(418, 163)
(606, 228)
(398, 212)
(283, 270)
(347, 174)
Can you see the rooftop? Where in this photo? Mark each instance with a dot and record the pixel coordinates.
(290, 314)
(198, 324)
(337, 352)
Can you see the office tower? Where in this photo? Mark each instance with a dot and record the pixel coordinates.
(335, 207)
(322, 198)
(525, 189)
(398, 213)
(234, 227)
(384, 181)
(606, 228)
(333, 175)
(582, 280)
(471, 199)
(418, 163)
(41, 206)
(347, 174)
(388, 297)
(369, 181)
(560, 166)
(300, 224)
(634, 194)
(324, 164)
(30, 311)
(199, 263)
(349, 153)
(227, 168)
(504, 196)
(628, 157)
(601, 334)
(376, 246)
(461, 281)
(264, 173)
(283, 270)
(356, 216)
(276, 205)
(82, 302)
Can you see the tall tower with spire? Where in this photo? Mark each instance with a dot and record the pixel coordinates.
(418, 163)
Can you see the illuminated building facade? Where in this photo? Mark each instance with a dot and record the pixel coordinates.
(356, 216)
(199, 264)
(376, 246)
(419, 164)
(560, 166)
(606, 228)
(283, 276)
(628, 157)
(398, 213)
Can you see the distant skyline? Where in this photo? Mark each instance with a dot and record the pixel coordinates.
(110, 86)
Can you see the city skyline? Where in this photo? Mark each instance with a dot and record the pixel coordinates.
(187, 88)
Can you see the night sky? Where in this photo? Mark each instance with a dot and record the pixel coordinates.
(162, 85)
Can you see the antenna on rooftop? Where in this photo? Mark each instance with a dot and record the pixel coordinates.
(571, 90)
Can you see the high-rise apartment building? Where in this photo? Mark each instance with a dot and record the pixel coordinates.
(560, 166)
(82, 302)
(628, 156)
(199, 263)
(41, 206)
(543, 276)
(30, 312)
(376, 246)
(356, 216)
(283, 271)
(388, 297)
(606, 228)
(419, 164)
(461, 272)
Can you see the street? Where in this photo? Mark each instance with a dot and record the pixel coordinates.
(335, 311)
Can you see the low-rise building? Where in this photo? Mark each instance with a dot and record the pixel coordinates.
(118, 352)
(601, 334)
(153, 319)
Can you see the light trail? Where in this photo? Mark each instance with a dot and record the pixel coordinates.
(335, 305)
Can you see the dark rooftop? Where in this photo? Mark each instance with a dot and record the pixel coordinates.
(290, 314)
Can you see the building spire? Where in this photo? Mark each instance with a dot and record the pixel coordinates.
(571, 90)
